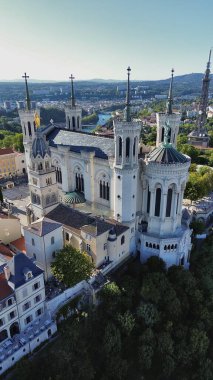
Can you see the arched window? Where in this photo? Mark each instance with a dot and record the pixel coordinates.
(147, 244)
(14, 329)
(79, 182)
(53, 198)
(100, 189)
(127, 146)
(107, 192)
(122, 240)
(82, 183)
(150, 245)
(78, 122)
(47, 165)
(58, 175)
(169, 135)
(157, 202)
(104, 190)
(120, 146)
(68, 122)
(24, 130)
(148, 200)
(34, 125)
(3, 335)
(40, 166)
(162, 135)
(169, 203)
(29, 128)
(73, 122)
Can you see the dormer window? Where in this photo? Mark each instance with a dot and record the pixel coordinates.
(27, 274)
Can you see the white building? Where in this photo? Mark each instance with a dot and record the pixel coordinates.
(43, 238)
(108, 175)
(24, 323)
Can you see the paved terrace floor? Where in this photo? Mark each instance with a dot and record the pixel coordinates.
(19, 196)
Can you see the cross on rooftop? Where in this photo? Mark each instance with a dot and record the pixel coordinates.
(72, 91)
(25, 76)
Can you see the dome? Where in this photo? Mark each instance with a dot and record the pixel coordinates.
(74, 197)
(167, 154)
(40, 147)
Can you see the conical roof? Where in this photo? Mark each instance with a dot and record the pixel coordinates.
(167, 154)
(40, 147)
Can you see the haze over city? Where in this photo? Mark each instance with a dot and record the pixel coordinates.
(99, 39)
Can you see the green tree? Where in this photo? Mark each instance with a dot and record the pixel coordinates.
(71, 266)
(126, 321)
(197, 226)
(111, 340)
(190, 151)
(149, 313)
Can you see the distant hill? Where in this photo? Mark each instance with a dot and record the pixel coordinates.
(188, 84)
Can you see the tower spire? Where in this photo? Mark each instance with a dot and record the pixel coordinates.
(25, 76)
(170, 96)
(201, 120)
(72, 91)
(128, 116)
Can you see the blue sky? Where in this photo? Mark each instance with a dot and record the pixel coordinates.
(99, 38)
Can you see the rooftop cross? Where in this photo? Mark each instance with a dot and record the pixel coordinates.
(128, 116)
(25, 76)
(170, 96)
(72, 91)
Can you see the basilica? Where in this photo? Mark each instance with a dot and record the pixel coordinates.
(103, 186)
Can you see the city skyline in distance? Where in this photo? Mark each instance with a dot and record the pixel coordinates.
(100, 39)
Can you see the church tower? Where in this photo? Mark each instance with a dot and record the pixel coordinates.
(28, 123)
(161, 231)
(42, 180)
(73, 113)
(127, 135)
(199, 136)
(168, 117)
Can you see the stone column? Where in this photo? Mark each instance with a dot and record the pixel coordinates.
(163, 206)
(145, 197)
(152, 202)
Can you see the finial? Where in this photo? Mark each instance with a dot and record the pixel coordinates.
(25, 76)
(170, 96)
(167, 129)
(72, 91)
(128, 117)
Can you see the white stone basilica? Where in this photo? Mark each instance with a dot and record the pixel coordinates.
(109, 174)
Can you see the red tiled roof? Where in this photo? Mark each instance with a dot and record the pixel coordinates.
(19, 244)
(5, 289)
(6, 151)
(6, 252)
